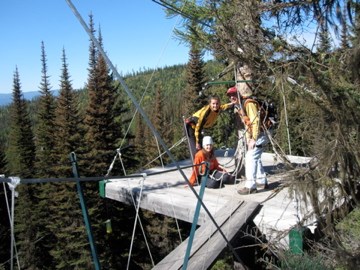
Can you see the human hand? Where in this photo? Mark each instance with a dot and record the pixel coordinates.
(198, 146)
(251, 144)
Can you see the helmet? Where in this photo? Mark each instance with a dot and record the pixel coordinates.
(207, 140)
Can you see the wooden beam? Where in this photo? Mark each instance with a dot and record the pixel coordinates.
(209, 243)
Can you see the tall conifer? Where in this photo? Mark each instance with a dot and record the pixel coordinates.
(21, 151)
(193, 100)
(102, 136)
(71, 248)
(45, 141)
(68, 123)
(344, 30)
(21, 158)
(45, 162)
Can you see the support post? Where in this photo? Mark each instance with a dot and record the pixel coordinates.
(84, 210)
(196, 215)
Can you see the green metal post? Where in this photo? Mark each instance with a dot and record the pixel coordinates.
(84, 210)
(196, 215)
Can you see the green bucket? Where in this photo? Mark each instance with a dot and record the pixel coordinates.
(296, 240)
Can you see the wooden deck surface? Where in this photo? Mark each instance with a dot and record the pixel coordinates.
(168, 194)
(209, 242)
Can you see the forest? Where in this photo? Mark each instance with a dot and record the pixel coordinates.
(316, 91)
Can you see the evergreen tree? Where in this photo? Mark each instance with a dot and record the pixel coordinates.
(21, 150)
(324, 46)
(102, 135)
(159, 121)
(68, 123)
(344, 30)
(45, 163)
(101, 132)
(45, 141)
(140, 139)
(354, 58)
(194, 99)
(71, 248)
(125, 140)
(21, 158)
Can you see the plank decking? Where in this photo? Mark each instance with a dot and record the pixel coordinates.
(168, 194)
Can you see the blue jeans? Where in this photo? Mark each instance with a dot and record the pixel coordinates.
(254, 170)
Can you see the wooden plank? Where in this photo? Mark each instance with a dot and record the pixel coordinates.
(167, 198)
(208, 242)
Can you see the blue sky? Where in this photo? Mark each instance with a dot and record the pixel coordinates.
(136, 36)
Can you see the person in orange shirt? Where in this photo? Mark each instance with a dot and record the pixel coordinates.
(218, 175)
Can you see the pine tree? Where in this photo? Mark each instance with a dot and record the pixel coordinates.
(20, 154)
(158, 119)
(45, 162)
(193, 97)
(324, 46)
(354, 58)
(71, 248)
(140, 139)
(344, 30)
(68, 123)
(102, 135)
(45, 141)
(21, 158)
(101, 129)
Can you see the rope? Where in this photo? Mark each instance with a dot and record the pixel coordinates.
(159, 151)
(11, 222)
(141, 226)
(174, 145)
(148, 84)
(286, 118)
(14, 182)
(133, 201)
(136, 219)
(174, 214)
(113, 162)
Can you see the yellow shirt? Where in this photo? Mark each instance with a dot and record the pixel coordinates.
(253, 128)
(206, 118)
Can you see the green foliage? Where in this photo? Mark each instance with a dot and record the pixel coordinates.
(349, 231)
(45, 127)
(304, 262)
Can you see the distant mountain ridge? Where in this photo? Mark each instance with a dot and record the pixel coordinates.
(6, 99)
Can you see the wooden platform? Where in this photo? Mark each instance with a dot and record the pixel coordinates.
(168, 194)
(209, 242)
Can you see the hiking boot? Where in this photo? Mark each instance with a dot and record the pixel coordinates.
(247, 191)
(263, 186)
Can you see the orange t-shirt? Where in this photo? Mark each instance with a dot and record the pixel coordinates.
(201, 157)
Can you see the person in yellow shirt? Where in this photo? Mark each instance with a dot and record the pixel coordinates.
(256, 138)
(202, 119)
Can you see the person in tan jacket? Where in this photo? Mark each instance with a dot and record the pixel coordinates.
(256, 138)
